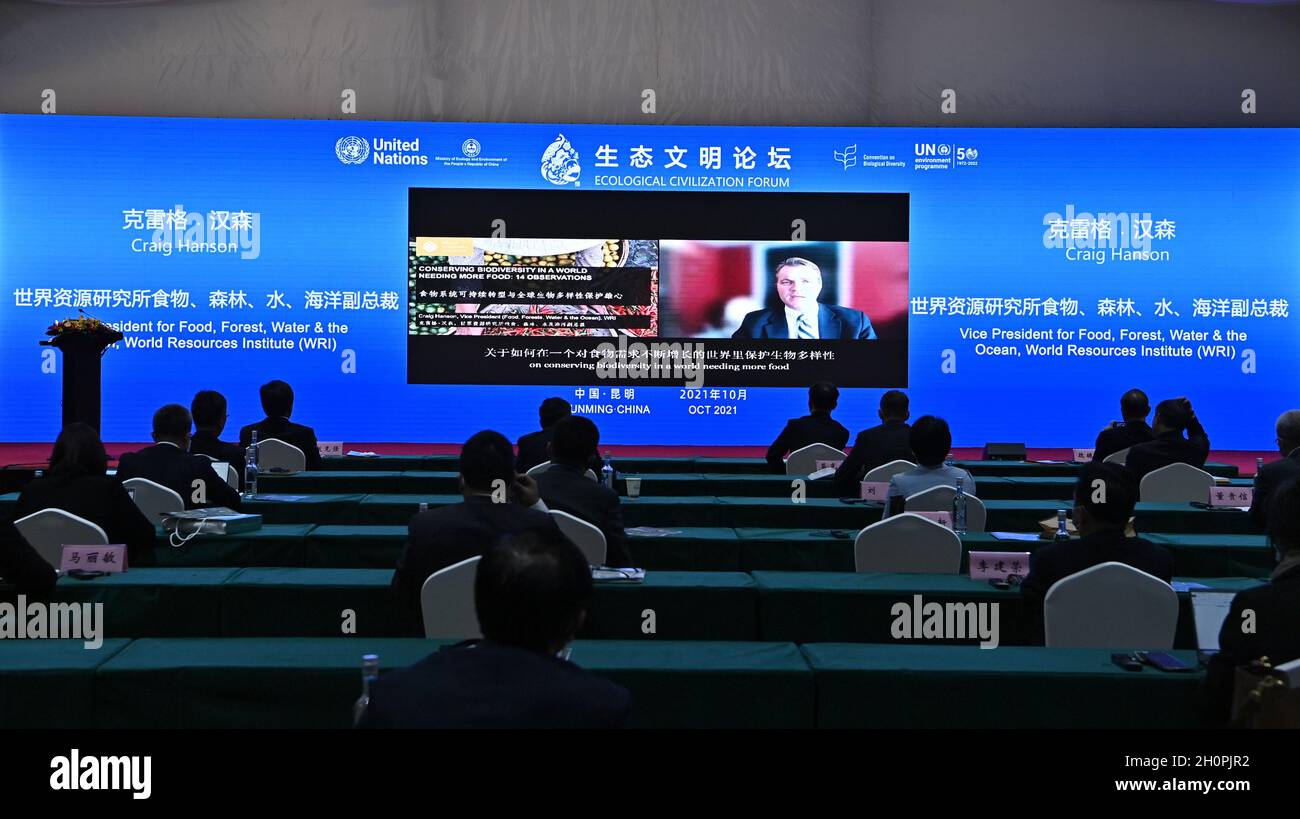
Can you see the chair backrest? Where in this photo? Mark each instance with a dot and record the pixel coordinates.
(939, 499)
(49, 530)
(589, 539)
(154, 499)
(1110, 605)
(1117, 457)
(1176, 483)
(907, 543)
(804, 461)
(279, 456)
(447, 602)
(886, 471)
(539, 469)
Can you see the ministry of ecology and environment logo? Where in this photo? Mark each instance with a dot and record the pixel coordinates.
(471, 148)
(560, 163)
(352, 150)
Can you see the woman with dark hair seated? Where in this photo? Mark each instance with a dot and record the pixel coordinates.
(76, 483)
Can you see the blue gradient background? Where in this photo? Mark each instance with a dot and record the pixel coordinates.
(975, 231)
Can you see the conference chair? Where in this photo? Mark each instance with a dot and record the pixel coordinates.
(49, 530)
(1176, 483)
(274, 455)
(1118, 457)
(803, 462)
(886, 471)
(1110, 605)
(447, 602)
(589, 539)
(154, 499)
(545, 465)
(226, 470)
(907, 543)
(939, 499)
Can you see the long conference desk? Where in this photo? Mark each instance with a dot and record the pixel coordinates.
(312, 682)
(798, 607)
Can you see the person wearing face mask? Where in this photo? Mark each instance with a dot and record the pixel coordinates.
(170, 463)
(802, 317)
(531, 594)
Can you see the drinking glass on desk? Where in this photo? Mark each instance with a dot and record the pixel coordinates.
(633, 486)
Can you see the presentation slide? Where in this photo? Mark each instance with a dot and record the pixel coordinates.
(682, 285)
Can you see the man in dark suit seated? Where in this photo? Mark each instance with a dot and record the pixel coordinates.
(277, 403)
(78, 484)
(169, 462)
(21, 567)
(1272, 627)
(802, 317)
(817, 427)
(531, 594)
(1104, 498)
(1169, 446)
(209, 411)
(533, 446)
(888, 441)
(1133, 430)
(1273, 475)
(497, 501)
(566, 487)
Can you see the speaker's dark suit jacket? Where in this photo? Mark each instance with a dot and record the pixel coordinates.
(441, 537)
(1057, 561)
(1117, 438)
(481, 684)
(817, 428)
(99, 499)
(532, 449)
(205, 443)
(874, 447)
(1267, 482)
(832, 322)
(178, 470)
(282, 428)
(570, 490)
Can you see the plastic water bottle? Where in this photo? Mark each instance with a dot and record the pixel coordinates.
(959, 509)
(424, 506)
(250, 467)
(1259, 465)
(607, 472)
(369, 673)
(1062, 528)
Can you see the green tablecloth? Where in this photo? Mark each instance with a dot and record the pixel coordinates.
(825, 607)
(364, 481)
(389, 463)
(292, 683)
(154, 602)
(305, 508)
(362, 547)
(50, 683)
(904, 686)
(274, 544)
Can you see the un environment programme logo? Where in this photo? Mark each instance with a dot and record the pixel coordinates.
(560, 163)
(352, 150)
(471, 148)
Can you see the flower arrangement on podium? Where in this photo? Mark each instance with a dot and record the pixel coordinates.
(82, 327)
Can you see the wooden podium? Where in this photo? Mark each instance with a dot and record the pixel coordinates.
(81, 373)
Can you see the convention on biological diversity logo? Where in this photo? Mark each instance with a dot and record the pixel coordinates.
(352, 150)
(560, 163)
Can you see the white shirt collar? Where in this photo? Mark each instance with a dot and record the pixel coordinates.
(170, 443)
(792, 320)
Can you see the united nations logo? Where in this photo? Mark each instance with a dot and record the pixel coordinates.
(560, 163)
(352, 150)
(470, 148)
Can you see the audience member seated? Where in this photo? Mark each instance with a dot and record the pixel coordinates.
(531, 594)
(1273, 475)
(533, 446)
(22, 569)
(1120, 435)
(930, 440)
(890, 440)
(1101, 514)
(1274, 629)
(1169, 446)
(169, 462)
(497, 502)
(277, 403)
(76, 483)
(566, 487)
(209, 411)
(817, 427)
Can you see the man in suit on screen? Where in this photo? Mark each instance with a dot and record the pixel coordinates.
(798, 284)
